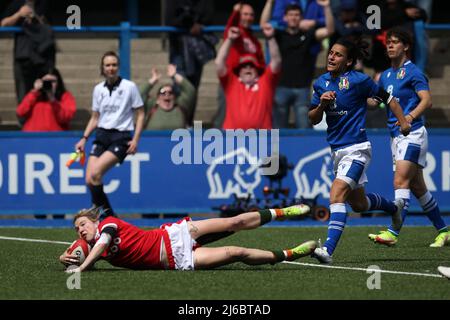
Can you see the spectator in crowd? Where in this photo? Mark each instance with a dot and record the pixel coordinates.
(48, 106)
(313, 17)
(178, 246)
(298, 64)
(421, 13)
(426, 5)
(249, 87)
(350, 22)
(190, 50)
(242, 17)
(34, 48)
(313, 14)
(114, 101)
(168, 110)
(393, 13)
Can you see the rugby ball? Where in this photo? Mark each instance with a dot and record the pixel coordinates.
(80, 248)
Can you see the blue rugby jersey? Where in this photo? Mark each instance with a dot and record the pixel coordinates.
(404, 83)
(346, 119)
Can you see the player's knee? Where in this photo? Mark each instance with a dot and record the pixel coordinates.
(89, 180)
(401, 183)
(337, 199)
(236, 253)
(94, 177)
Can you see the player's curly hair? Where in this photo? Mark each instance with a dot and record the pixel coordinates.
(356, 49)
(92, 214)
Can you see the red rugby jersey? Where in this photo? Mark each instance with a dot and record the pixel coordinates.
(134, 248)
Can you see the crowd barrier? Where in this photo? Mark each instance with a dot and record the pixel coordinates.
(191, 172)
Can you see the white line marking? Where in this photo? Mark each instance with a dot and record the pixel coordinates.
(34, 240)
(365, 269)
(289, 262)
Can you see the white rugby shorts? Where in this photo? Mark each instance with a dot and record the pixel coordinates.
(351, 163)
(182, 245)
(412, 148)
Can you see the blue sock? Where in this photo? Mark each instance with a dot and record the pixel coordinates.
(431, 209)
(335, 226)
(404, 194)
(377, 202)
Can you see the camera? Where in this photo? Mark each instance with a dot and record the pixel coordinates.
(46, 85)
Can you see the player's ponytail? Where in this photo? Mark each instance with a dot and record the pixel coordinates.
(356, 50)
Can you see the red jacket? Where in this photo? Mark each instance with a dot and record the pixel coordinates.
(245, 44)
(45, 115)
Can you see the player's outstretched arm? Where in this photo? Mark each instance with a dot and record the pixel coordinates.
(96, 252)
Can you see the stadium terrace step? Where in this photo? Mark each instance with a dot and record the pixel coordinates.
(9, 115)
(438, 117)
(86, 45)
(439, 86)
(438, 71)
(148, 58)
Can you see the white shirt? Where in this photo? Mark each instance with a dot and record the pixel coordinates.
(116, 106)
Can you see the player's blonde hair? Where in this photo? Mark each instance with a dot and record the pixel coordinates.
(92, 214)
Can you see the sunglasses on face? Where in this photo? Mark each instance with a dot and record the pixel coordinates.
(166, 93)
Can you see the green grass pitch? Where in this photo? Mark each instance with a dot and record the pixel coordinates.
(31, 270)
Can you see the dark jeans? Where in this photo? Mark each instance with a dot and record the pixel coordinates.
(299, 99)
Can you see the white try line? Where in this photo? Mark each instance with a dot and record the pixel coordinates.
(34, 240)
(365, 269)
(288, 262)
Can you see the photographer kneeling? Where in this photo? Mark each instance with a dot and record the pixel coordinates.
(48, 107)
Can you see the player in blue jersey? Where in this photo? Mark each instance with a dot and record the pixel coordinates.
(410, 87)
(342, 94)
